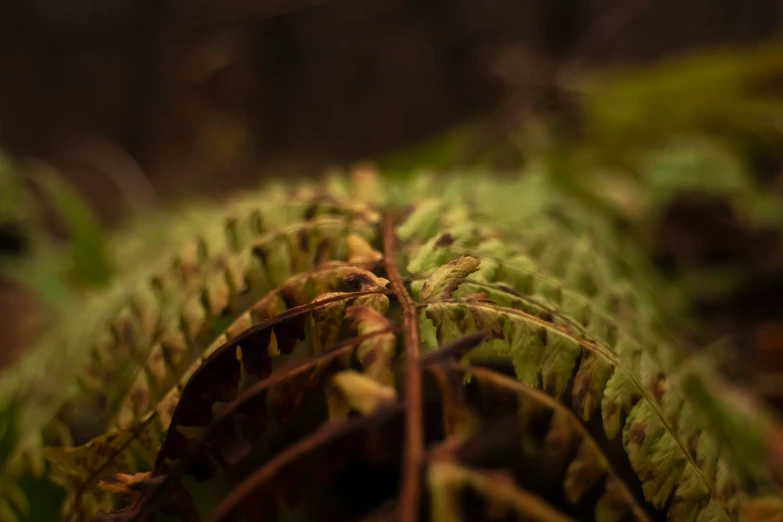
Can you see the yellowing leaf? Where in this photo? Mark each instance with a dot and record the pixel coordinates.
(375, 353)
(361, 252)
(447, 482)
(446, 279)
(351, 390)
(326, 322)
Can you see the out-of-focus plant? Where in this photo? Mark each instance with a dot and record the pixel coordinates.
(694, 122)
(60, 244)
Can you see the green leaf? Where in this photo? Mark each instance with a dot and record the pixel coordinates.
(90, 263)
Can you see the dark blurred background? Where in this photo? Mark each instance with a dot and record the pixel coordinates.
(211, 91)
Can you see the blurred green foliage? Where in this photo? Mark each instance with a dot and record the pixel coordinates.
(694, 122)
(730, 92)
(39, 203)
(647, 136)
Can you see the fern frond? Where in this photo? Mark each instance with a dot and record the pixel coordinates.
(247, 333)
(626, 378)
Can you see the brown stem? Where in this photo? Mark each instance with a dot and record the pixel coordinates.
(327, 433)
(108, 459)
(414, 431)
(335, 352)
(490, 376)
(147, 504)
(296, 311)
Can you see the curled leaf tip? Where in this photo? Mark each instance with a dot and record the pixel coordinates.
(360, 252)
(351, 390)
(446, 279)
(362, 280)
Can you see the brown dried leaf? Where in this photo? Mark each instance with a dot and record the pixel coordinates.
(217, 381)
(327, 321)
(376, 353)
